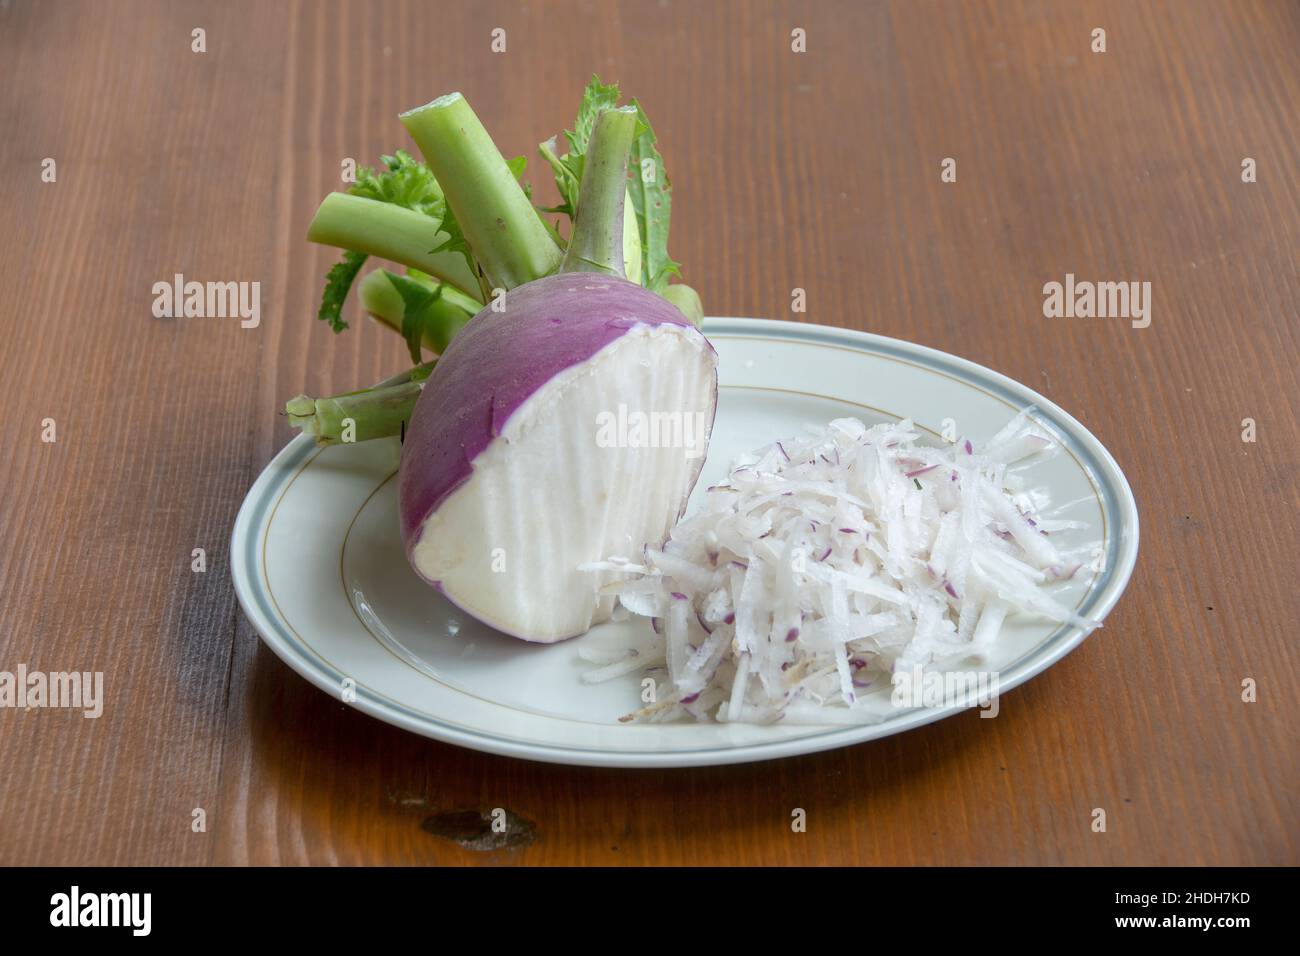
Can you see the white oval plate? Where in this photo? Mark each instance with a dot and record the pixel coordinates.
(319, 568)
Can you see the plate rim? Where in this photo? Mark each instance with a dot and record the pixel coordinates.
(1111, 484)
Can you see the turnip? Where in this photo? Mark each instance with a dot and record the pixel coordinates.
(509, 480)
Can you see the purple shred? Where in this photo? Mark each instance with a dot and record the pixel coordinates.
(920, 471)
(741, 564)
(783, 451)
(947, 586)
(970, 449)
(826, 555)
(847, 531)
(730, 618)
(1064, 573)
(692, 698)
(678, 595)
(654, 622)
(700, 617)
(792, 635)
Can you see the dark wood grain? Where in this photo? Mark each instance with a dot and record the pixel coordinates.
(816, 170)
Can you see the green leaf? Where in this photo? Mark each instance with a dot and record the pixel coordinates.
(405, 182)
(517, 167)
(456, 242)
(338, 281)
(568, 168)
(432, 312)
(651, 194)
(417, 300)
(566, 180)
(596, 98)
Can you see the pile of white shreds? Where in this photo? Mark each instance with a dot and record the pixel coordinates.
(824, 564)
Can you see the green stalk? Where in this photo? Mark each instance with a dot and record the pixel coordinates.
(450, 311)
(632, 249)
(597, 241)
(377, 412)
(498, 221)
(390, 232)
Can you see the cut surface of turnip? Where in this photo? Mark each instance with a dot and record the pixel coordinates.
(532, 452)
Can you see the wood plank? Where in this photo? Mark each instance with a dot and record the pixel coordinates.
(819, 171)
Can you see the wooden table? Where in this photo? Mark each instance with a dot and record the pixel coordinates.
(818, 170)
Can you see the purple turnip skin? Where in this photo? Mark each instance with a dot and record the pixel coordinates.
(504, 356)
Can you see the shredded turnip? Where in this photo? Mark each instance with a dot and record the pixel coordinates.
(825, 563)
